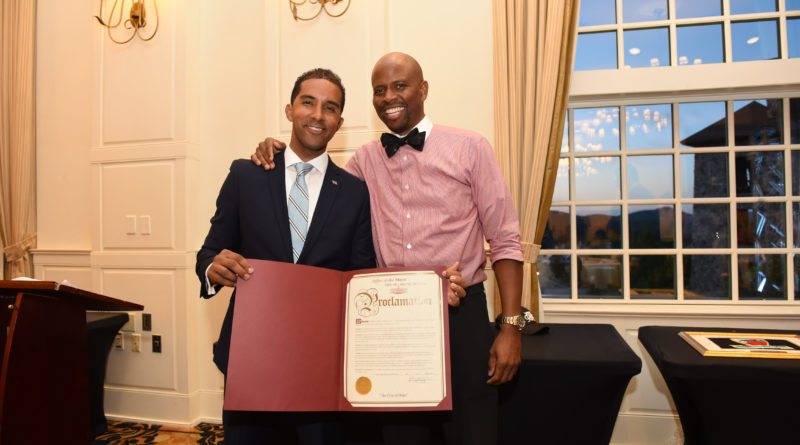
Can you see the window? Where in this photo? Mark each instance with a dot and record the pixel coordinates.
(625, 34)
(638, 214)
(679, 177)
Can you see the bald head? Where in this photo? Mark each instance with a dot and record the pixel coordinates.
(399, 92)
(397, 58)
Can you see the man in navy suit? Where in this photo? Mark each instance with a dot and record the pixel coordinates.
(252, 220)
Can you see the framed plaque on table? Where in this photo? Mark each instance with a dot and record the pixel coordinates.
(755, 345)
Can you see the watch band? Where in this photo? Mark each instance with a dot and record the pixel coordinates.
(515, 320)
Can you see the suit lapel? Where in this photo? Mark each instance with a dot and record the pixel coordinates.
(327, 196)
(277, 193)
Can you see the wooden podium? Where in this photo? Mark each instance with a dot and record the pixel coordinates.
(44, 379)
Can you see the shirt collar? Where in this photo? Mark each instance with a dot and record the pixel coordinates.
(425, 125)
(320, 163)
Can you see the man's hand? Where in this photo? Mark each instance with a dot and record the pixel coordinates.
(227, 267)
(505, 355)
(458, 284)
(266, 152)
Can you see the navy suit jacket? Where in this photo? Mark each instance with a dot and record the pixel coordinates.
(252, 219)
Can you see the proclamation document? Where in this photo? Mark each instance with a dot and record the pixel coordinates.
(395, 348)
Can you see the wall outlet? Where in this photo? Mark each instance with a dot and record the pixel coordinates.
(147, 322)
(136, 342)
(119, 342)
(157, 343)
(130, 325)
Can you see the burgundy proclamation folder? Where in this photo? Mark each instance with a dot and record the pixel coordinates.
(287, 344)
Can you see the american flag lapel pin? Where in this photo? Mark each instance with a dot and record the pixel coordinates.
(335, 182)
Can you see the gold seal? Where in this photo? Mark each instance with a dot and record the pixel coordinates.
(363, 385)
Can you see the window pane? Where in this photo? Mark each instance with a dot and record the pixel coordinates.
(565, 137)
(561, 191)
(707, 277)
(701, 44)
(596, 51)
(703, 124)
(793, 37)
(652, 276)
(556, 234)
(751, 6)
(599, 276)
(651, 226)
(754, 40)
(599, 227)
(596, 129)
(643, 11)
(597, 12)
(685, 9)
(649, 126)
(792, 5)
(758, 122)
(554, 272)
(759, 173)
(597, 178)
(796, 277)
(706, 226)
(704, 175)
(794, 119)
(650, 177)
(761, 224)
(762, 277)
(646, 48)
(796, 172)
(796, 223)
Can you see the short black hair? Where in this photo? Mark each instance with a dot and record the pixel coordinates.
(318, 73)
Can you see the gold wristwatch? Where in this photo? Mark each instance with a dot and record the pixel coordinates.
(517, 320)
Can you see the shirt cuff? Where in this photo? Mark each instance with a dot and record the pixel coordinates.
(210, 290)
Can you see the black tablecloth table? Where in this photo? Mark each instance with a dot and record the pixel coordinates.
(569, 387)
(724, 400)
(101, 328)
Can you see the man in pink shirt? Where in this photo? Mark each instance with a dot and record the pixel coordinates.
(435, 193)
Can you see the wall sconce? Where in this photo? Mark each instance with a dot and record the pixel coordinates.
(321, 4)
(134, 23)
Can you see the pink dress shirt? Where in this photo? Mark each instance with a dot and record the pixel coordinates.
(436, 206)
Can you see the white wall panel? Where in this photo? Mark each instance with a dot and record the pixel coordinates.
(138, 85)
(138, 205)
(155, 290)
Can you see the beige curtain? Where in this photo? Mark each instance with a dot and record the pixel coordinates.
(17, 135)
(534, 44)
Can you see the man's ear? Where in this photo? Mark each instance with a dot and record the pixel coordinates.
(341, 121)
(288, 112)
(424, 89)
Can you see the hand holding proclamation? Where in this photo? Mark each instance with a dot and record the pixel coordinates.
(227, 267)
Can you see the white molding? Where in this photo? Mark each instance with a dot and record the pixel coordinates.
(778, 310)
(163, 408)
(144, 259)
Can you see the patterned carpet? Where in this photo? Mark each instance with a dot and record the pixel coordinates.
(126, 433)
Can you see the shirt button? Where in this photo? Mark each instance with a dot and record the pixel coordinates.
(407, 187)
(408, 246)
(408, 216)
(405, 158)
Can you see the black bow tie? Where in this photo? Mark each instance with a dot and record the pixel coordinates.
(393, 143)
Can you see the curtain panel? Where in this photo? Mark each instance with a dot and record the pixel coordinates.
(534, 44)
(17, 135)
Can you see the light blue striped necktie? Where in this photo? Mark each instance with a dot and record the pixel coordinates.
(298, 209)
